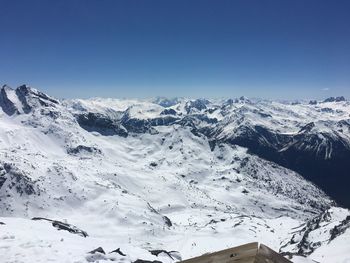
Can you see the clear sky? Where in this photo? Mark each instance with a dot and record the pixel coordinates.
(282, 49)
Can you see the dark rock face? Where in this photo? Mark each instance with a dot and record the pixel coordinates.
(307, 128)
(83, 149)
(153, 164)
(106, 125)
(50, 113)
(26, 97)
(118, 251)
(314, 156)
(167, 221)
(228, 102)
(32, 98)
(334, 99)
(327, 110)
(168, 112)
(168, 120)
(199, 104)
(70, 228)
(313, 102)
(136, 125)
(13, 178)
(174, 255)
(63, 226)
(24, 90)
(340, 229)
(101, 124)
(303, 239)
(6, 104)
(2, 180)
(99, 250)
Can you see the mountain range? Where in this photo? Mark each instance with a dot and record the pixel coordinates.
(138, 180)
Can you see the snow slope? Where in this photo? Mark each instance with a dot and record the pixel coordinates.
(151, 183)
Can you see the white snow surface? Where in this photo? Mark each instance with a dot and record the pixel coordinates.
(122, 191)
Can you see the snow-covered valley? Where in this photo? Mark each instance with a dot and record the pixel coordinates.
(191, 176)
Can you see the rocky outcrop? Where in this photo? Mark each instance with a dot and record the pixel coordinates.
(168, 112)
(99, 250)
(63, 226)
(174, 255)
(314, 155)
(318, 231)
(335, 99)
(198, 104)
(82, 149)
(105, 125)
(6, 103)
(24, 99)
(15, 181)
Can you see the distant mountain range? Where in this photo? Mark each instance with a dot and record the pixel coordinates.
(184, 175)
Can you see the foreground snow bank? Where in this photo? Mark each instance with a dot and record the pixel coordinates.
(24, 240)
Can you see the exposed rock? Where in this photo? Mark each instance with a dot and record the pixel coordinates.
(135, 125)
(340, 229)
(32, 98)
(198, 104)
(167, 221)
(99, 250)
(313, 155)
(13, 178)
(64, 226)
(118, 251)
(327, 110)
(164, 121)
(316, 232)
(334, 99)
(96, 122)
(168, 112)
(153, 164)
(228, 102)
(83, 149)
(245, 191)
(6, 104)
(307, 128)
(313, 102)
(174, 255)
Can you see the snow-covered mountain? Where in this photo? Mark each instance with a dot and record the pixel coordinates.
(183, 175)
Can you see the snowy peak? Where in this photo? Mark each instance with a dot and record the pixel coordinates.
(196, 105)
(335, 99)
(166, 102)
(195, 176)
(23, 100)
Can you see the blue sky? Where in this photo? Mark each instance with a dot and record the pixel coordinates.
(283, 49)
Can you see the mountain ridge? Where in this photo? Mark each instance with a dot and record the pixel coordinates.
(131, 175)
